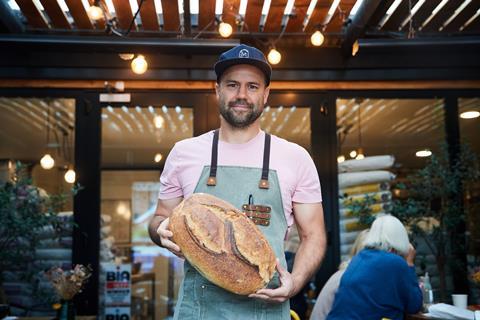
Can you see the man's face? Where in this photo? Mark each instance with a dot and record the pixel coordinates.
(242, 95)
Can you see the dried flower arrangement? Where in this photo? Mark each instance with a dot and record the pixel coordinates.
(68, 283)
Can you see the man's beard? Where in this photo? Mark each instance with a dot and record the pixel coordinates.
(237, 119)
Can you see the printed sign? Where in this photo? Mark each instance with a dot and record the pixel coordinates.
(120, 313)
(118, 285)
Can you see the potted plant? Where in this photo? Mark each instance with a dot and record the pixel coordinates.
(434, 208)
(25, 211)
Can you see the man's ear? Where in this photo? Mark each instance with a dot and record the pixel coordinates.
(217, 88)
(265, 95)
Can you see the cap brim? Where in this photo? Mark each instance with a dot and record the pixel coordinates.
(221, 66)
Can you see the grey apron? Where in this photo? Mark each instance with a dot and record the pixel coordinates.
(199, 298)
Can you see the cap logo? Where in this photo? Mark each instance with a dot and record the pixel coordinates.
(243, 53)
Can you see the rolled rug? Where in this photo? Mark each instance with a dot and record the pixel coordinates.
(222, 244)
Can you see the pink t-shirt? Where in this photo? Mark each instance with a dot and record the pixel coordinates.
(296, 171)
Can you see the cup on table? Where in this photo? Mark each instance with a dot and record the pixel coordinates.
(460, 300)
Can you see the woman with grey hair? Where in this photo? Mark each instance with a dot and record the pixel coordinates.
(380, 281)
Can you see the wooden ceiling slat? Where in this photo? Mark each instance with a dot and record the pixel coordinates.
(33, 15)
(275, 15)
(230, 11)
(253, 15)
(318, 15)
(148, 14)
(123, 12)
(442, 15)
(424, 12)
(206, 15)
(171, 16)
(397, 17)
(343, 11)
(295, 23)
(379, 13)
(463, 17)
(80, 16)
(57, 16)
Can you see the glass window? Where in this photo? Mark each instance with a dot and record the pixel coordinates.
(469, 117)
(136, 141)
(39, 133)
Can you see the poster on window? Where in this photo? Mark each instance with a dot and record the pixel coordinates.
(118, 285)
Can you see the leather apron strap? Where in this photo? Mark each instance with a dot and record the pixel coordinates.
(263, 184)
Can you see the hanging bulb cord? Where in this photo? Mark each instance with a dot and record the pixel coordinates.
(359, 127)
(112, 22)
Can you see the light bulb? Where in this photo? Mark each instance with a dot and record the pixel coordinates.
(469, 114)
(360, 156)
(423, 153)
(317, 38)
(158, 121)
(353, 153)
(47, 162)
(70, 176)
(225, 29)
(139, 64)
(274, 56)
(158, 157)
(95, 13)
(340, 158)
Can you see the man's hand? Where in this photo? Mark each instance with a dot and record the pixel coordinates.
(165, 238)
(280, 294)
(410, 257)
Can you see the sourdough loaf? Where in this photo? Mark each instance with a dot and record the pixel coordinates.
(222, 244)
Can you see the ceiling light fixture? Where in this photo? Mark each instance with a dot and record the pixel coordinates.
(158, 157)
(139, 64)
(158, 121)
(470, 114)
(274, 57)
(423, 153)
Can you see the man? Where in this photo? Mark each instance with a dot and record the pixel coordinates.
(243, 165)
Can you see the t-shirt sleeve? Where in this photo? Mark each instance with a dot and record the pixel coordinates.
(170, 186)
(308, 183)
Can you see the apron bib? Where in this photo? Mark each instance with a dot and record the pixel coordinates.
(199, 298)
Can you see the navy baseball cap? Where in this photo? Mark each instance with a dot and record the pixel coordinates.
(243, 54)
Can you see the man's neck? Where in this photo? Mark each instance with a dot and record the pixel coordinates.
(230, 134)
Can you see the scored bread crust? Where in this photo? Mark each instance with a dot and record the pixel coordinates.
(223, 244)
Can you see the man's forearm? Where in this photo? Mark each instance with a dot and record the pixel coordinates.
(152, 229)
(309, 255)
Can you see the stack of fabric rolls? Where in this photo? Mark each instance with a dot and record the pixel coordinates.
(357, 180)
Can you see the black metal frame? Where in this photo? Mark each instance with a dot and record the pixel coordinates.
(323, 126)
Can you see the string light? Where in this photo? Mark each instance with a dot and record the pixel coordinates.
(353, 154)
(139, 64)
(317, 38)
(225, 29)
(340, 158)
(47, 162)
(274, 56)
(95, 12)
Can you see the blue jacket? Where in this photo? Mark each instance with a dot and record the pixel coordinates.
(377, 284)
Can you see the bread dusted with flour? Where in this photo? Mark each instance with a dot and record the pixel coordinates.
(222, 244)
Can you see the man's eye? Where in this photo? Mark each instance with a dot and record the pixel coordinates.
(231, 85)
(253, 87)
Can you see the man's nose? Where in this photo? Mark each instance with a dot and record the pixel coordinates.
(242, 92)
